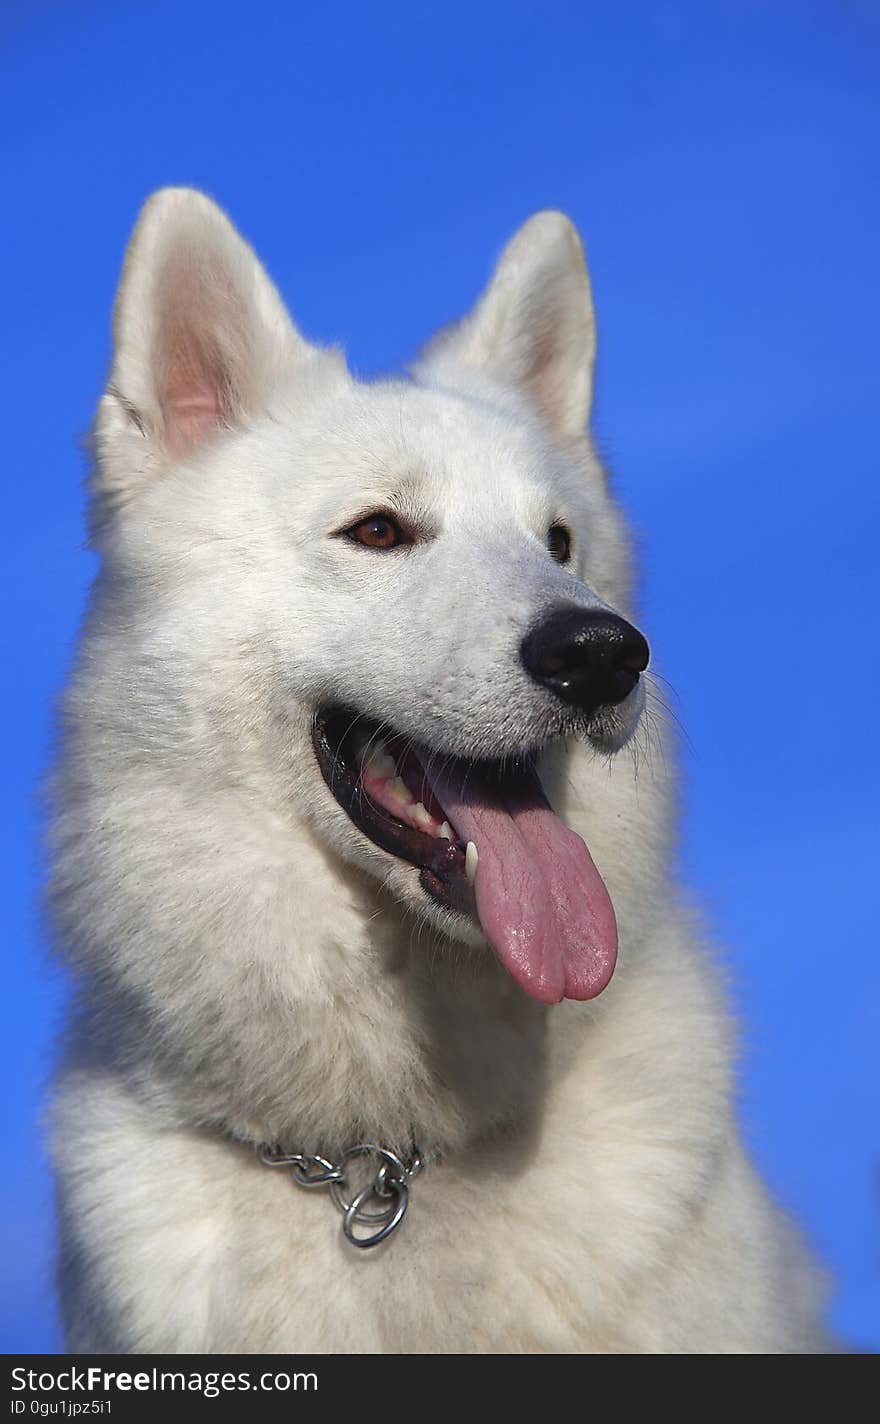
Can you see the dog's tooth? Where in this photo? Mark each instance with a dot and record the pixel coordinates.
(379, 763)
(399, 788)
(422, 817)
(445, 832)
(471, 860)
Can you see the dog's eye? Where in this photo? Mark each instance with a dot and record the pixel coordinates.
(559, 543)
(378, 531)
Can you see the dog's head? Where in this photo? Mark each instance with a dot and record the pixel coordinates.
(410, 586)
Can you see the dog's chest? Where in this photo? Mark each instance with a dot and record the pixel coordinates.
(523, 1252)
(480, 1263)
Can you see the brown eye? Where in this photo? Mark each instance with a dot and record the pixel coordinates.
(559, 543)
(378, 531)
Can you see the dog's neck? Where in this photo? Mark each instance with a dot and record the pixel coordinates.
(296, 1003)
(437, 1049)
(412, 1043)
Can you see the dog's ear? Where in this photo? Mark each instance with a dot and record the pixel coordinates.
(533, 328)
(201, 338)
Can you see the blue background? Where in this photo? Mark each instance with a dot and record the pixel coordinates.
(721, 160)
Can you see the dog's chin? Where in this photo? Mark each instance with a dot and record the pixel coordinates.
(403, 884)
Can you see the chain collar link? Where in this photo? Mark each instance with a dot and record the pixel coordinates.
(379, 1206)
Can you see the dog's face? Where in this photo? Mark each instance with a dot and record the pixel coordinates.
(412, 587)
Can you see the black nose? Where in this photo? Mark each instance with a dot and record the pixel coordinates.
(589, 658)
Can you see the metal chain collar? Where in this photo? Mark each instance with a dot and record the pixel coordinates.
(380, 1205)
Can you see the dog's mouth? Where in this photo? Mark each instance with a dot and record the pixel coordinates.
(486, 843)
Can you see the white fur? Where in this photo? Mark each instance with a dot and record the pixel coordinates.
(252, 969)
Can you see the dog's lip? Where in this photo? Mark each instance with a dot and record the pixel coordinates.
(335, 733)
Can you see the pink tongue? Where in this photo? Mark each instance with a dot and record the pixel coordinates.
(541, 901)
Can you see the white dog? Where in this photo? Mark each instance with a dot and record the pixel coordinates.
(348, 644)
